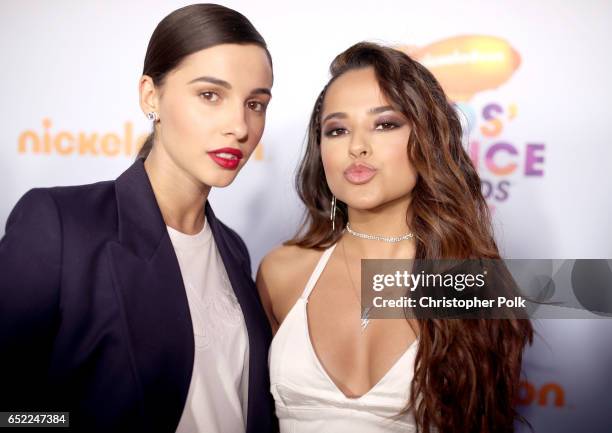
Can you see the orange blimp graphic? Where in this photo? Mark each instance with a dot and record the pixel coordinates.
(466, 65)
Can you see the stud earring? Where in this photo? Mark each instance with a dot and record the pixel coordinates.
(152, 116)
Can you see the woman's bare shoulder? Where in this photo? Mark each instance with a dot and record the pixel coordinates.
(281, 278)
(292, 256)
(288, 266)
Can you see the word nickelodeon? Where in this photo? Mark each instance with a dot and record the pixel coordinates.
(81, 143)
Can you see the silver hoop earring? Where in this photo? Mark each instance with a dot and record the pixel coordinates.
(332, 215)
(152, 116)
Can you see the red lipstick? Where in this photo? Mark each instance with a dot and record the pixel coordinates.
(226, 157)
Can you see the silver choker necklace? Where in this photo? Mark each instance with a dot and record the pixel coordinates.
(388, 239)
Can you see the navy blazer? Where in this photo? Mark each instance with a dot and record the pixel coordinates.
(94, 317)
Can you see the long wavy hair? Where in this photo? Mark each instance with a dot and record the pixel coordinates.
(467, 371)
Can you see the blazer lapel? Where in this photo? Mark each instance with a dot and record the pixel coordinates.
(239, 273)
(153, 302)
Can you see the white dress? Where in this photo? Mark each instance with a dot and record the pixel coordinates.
(308, 401)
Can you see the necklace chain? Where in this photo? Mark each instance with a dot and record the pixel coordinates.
(388, 239)
(365, 320)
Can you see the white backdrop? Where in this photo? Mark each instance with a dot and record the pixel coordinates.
(531, 77)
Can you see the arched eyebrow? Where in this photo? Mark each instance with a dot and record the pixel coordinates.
(382, 109)
(212, 80)
(223, 83)
(340, 115)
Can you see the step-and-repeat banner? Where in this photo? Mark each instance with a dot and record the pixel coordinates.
(531, 79)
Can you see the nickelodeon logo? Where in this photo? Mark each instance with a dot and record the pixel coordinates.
(466, 65)
(67, 143)
(80, 143)
(549, 394)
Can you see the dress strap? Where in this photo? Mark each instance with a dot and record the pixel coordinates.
(314, 277)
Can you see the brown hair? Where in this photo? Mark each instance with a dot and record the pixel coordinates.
(467, 371)
(188, 30)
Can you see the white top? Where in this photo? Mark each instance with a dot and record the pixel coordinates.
(308, 401)
(218, 392)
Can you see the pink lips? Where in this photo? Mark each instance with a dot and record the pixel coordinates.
(359, 173)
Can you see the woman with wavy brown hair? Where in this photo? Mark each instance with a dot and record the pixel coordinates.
(384, 176)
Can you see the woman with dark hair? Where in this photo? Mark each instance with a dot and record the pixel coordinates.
(385, 163)
(127, 302)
